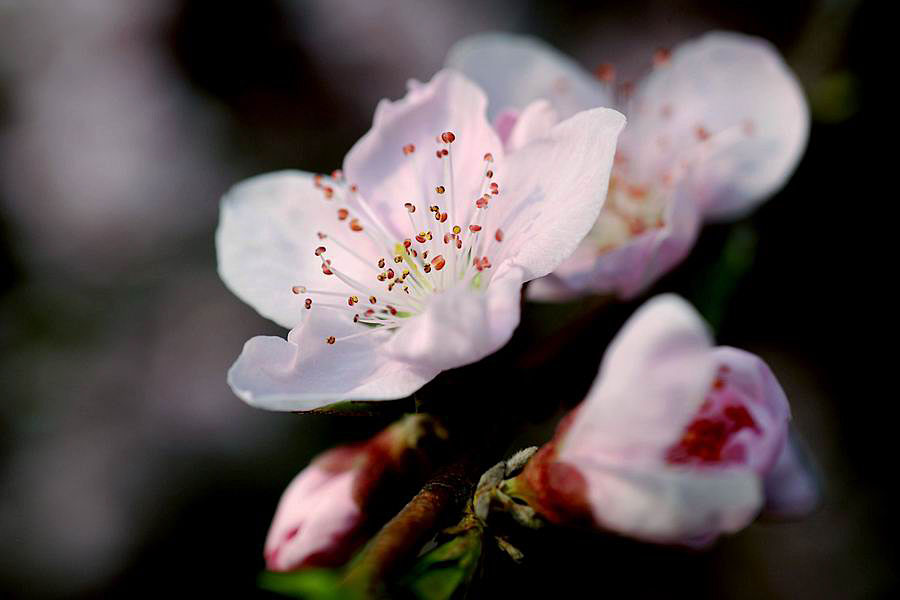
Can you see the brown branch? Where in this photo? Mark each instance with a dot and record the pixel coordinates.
(402, 537)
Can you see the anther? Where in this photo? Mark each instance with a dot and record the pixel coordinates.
(489, 174)
(499, 235)
(438, 262)
(380, 263)
(390, 273)
(343, 213)
(355, 225)
(489, 157)
(474, 228)
(408, 149)
(410, 207)
(308, 303)
(457, 229)
(320, 250)
(447, 137)
(298, 289)
(330, 339)
(605, 73)
(329, 192)
(661, 57)
(352, 300)
(702, 133)
(398, 259)
(373, 300)
(439, 189)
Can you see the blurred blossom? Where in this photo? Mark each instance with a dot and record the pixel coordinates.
(410, 261)
(324, 513)
(677, 441)
(715, 129)
(104, 145)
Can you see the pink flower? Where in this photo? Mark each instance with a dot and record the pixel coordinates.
(412, 258)
(676, 442)
(322, 517)
(714, 130)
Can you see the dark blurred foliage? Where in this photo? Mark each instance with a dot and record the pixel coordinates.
(128, 468)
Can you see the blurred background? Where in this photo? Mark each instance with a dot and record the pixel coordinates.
(128, 469)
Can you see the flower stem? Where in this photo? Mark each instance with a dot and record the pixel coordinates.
(402, 537)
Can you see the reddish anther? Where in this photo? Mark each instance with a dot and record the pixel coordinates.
(661, 57)
(605, 73)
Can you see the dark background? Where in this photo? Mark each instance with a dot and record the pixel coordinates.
(128, 469)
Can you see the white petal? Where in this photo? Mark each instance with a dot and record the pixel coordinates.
(460, 325)
(653, 380)
(552, 190)
(793, 487)
(517, 70)
(533, 123)
(316, 511)
(304, 372)
(387, 178)
(267, 238)
(629, 269)
(670, 505)
(725, 83)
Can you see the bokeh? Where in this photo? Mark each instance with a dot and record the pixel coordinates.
(127, 467)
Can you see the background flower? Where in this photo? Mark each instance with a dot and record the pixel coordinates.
(716, 127)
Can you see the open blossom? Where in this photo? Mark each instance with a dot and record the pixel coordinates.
(322, 517)
(677, 441)
(410, 260)
(716, 127)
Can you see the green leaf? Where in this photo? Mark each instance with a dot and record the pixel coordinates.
(719, 282)
(313, 584)
(446, 571)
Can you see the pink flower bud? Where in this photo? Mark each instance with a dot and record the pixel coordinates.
(674, 442)
(322, 517)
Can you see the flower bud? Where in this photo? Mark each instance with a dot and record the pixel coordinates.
(675, 442)
(324, 515)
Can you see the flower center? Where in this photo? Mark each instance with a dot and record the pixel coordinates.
(443, 248)
(630, 210)
(709, 438)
